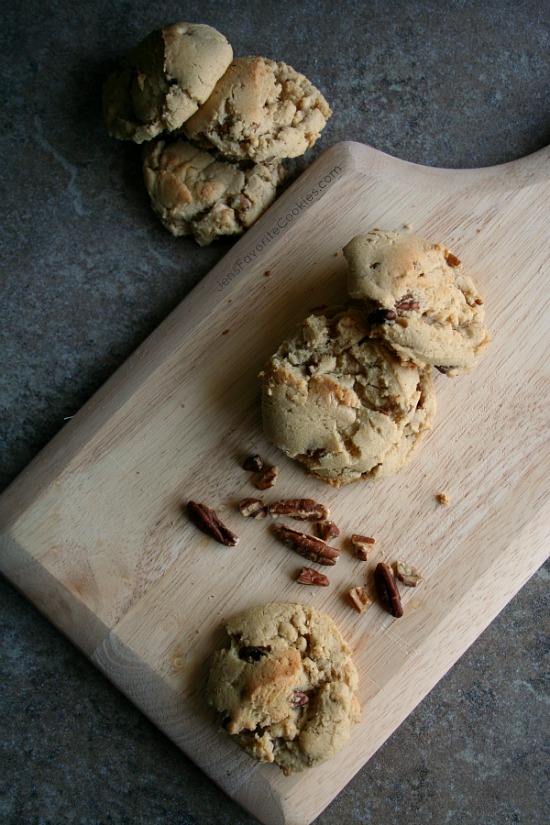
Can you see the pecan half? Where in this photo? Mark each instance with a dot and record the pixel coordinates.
(301, 508)
(327, 530)
(299, 699)
(306, 545)
(267, 478)
(407, 574)
(362, 545)
(310, 576)
(253, 508)
(387, 590)
(407, 303)
(359, 598)
(206, 520)
(253, 463)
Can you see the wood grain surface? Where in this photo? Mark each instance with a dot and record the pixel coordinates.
(94, 532)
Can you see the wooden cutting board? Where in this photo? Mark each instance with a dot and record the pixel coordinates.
(94, 532)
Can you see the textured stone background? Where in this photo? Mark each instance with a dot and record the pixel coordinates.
(87, 272)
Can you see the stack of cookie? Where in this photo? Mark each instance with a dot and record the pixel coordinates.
(350, 395)
(220, 127)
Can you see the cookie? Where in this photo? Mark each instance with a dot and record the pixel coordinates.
(285, 686)
(430, 311)
(193, 193)
(342, 403)
(260, 110)
(164, 80)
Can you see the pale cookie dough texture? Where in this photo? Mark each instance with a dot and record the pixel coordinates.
(439, 314)
(343, 404)
(193, 193)
(164, 80)
(285, 686)
(260, 110)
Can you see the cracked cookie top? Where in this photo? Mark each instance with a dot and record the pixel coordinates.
(193, 193)
(343, 404)
(429, 310)
(164, 80)
(260, 109)
(285, 686)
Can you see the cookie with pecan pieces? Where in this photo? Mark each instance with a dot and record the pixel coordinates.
(343, 404)
(422, 302)
(164, 80)
(285, 686)
(193, 193)
(260, 110)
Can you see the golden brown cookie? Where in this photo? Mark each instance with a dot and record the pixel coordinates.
(342, 404)
(192, 193)
(164, 80)
(260, 110)
(430, 311)
(285, 686)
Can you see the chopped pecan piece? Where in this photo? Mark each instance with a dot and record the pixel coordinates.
(407, 574)
(301, 508)
(360, 598)
(407, 303)
(306, 545)
(452, 260)
(299, 699)
(362, 545)
(310, 576)
(253, 507)
(206, 520)
(443, 498)
(253, 463)
(387, 590)
(267, 478)
(327, 530)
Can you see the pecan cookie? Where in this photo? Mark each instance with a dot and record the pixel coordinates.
(192, 193)
(164, 80)
(260, 110)
(343, 404)
(429, 310)
(285, 686)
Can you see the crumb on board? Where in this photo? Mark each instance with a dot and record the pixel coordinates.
(443, 498)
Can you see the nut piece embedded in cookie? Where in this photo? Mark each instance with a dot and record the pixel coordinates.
(164, 80)
(294, 704)
(192, 193)
(260, 110)
(422, 303)
(342, 404)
